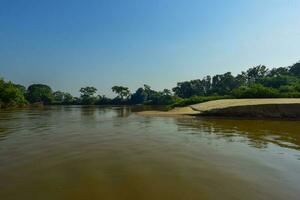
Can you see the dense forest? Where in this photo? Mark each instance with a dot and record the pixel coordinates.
(256, 82)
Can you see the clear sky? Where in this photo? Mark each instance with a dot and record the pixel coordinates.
(72, 43)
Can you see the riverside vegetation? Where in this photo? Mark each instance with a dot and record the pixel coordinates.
(256, 82)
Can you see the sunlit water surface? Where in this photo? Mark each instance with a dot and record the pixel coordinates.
(73, 152)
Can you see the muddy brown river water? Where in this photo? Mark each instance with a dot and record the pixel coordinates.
(110, 153)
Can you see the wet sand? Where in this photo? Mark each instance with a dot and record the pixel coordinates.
(174, 112)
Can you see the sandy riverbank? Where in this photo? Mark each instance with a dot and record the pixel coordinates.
(176, 111)
(277, 108)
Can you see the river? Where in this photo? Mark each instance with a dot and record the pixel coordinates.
(110, 153)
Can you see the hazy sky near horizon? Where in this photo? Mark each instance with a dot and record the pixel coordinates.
(73, 43)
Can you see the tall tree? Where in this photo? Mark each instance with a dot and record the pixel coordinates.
(281, 71)
(87, 95)
(58, 96)
(184, 89)
(68, 99)
(39, 93)
(139, 96)
(223, 84)
(255, 73)
(295, 69)
(122, 92)
(10, 94)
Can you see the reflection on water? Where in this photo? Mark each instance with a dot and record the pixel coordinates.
(259, 133)
(73, 152)
(3, 133)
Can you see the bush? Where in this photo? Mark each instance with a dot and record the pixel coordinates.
(196, 99)
(255, 91)
(287, 88)
(290, 95)
(297, 87)
(277, 81)
(160, 99)
(10, 95)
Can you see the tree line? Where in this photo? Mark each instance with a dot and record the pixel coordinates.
(12, 95)
(256, 82)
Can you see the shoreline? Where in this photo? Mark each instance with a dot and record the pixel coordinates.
(253, 108)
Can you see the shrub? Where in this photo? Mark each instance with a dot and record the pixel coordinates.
(255, 91)
(10, 95)
(290, 95)
(287, 88)
(196, 99)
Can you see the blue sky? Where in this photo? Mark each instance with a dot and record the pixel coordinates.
(72, 43)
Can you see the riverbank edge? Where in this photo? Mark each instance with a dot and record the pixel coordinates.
(237, 108)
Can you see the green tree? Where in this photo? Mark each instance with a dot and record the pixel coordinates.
(11, 95)
(241, 79)
(103, 100)
(21, 88)
(281, 71)
(183, 89)
(223, 84)
(191, 88)
(68, 99)
(162, 98)
(87, 95)
(39, 93)
(255, 91)
(139, 96)
(294, 70)
(150, 94)
(167, 92)
(255, 73)
(277, 81)
(58, 96)
(122, 92)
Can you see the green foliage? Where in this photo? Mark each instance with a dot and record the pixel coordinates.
(277, 81)
(223, 84)
(295, 69)
(87, 91)
(255, 91)
(286, 89)
(39, 93)
(63, 98)
(297, 87)
(160, 98)
(290, 95)
(103, 100)
(122, 92)
(68, 99)
(139, 97)
(179, 102)
(198, 87)
(11, 95)
(87, 95)
(255, 73)
(153, 97)
(256, 82)
(58, 96)
(281, 71)
(21, 88)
